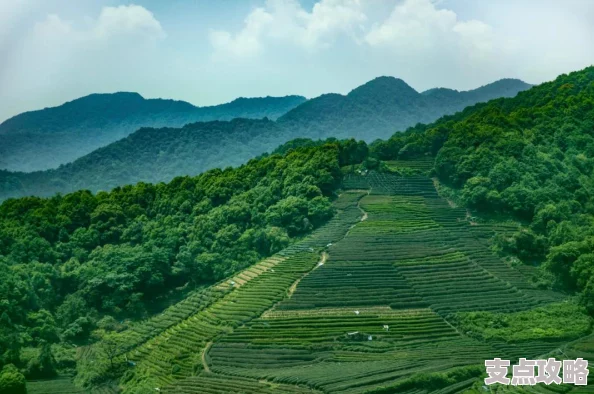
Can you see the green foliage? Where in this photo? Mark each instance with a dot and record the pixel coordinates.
(12, 381)
(382, 106)
(72, 264)
(561, 321)
(529, 156)
(43, 366)
(152, 155)
(432, 381)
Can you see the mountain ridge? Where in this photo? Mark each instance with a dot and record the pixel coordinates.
(160, 154)
(395, 104)
(47, 138)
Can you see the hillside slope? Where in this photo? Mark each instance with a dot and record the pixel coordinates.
(78, 266)
(392, 293)
(384, 105)
(46, 138)
(530, 156)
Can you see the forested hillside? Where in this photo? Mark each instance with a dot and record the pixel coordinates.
(43, 139)
(75, 266)
(376, 109)
(152, 155)
(531, 157)
(384, 105)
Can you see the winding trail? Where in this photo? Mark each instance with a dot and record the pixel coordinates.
(322, 260)
(363, 217)
(203, 357)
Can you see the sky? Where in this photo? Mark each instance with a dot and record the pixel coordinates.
(209, 52)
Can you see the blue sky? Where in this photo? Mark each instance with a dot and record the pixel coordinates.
(208, 52)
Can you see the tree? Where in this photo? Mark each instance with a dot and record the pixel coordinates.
(44, 366)
(110, 349)
(12, 381)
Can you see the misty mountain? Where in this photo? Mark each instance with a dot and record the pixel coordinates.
(49, 137)
(374, 110)
(153, 155)
(384, 105)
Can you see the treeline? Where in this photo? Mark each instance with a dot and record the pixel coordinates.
(532, 157)
(78, 263)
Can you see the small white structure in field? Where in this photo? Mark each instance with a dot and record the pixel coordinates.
(357, 313)
(370, 338)
(311, 249)
(272, 270)
(352, 333)
(386, 327)
(157, 389)
(320, 264)
(232, 283)
(330, 244)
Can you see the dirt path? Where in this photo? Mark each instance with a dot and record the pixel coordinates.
(364, 217)
(203, 357)
(294, 285)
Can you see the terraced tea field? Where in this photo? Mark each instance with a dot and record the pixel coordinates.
(188, 328)
(387, 290)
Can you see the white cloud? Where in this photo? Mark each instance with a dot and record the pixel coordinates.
(113, 22)
(132, 19)
(247, 41)
(306, 47)
(412, 22)
(476, 37)
(419, 25)
(63, 59)
(416, 28)
(286, 21)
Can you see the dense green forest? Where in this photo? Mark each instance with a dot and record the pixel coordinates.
(74, 265)
(376, 109)
(531, 156)
(43, 139)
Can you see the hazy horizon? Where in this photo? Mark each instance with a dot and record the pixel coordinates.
(208, 53)
(239, 97)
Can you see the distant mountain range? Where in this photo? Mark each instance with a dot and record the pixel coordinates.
(384, 105)
(152, 155)
(374, 110)
(43, 139)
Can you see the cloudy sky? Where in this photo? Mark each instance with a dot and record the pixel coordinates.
(208, 52)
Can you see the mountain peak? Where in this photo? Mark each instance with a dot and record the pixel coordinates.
(109, 99)
(386, 86)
